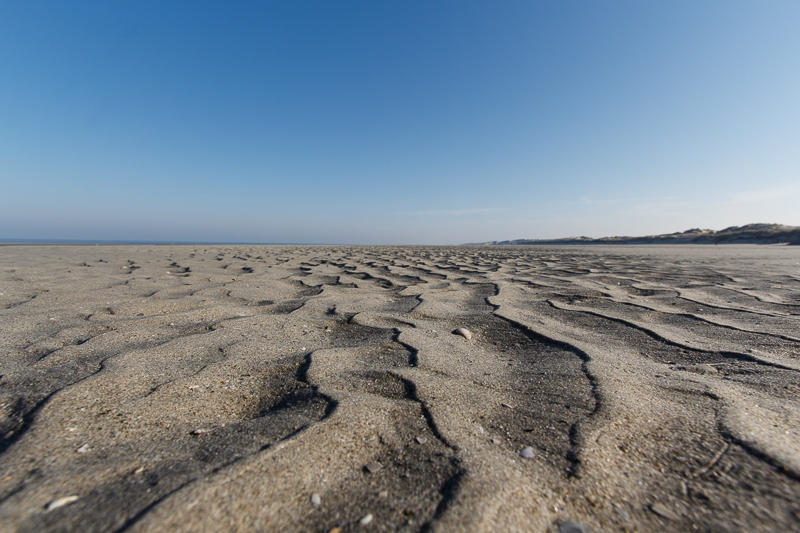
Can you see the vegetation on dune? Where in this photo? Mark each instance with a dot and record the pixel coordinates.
(748, 234)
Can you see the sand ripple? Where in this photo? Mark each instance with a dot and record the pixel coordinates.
(269, 388)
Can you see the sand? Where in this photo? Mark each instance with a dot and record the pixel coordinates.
(277, 388)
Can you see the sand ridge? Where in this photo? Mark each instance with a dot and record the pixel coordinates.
(305, 388)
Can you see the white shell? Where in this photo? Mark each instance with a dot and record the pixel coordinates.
(464, 332)
(528, 453)
(61, 502)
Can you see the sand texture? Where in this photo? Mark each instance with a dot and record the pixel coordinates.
(279, 388)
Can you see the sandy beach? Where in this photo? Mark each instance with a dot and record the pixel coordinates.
(310, 388)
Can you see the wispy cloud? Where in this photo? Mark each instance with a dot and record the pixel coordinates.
(588, 199)
(769, 194)
(454, 212)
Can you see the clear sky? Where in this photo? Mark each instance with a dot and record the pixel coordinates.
(396, 122)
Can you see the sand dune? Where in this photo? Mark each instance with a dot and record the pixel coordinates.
(748, 234)
(270, 388)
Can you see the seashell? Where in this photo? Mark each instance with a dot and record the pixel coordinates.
(464, 332)
(366, 520)
(572, 527)
(664, 512)
(422, 440)
(61, 502)
(316, 500)
(527, 453)
(373, 467)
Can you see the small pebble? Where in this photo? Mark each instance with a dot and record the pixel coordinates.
(60, 502)
(527, 452)
(366, 520)
(572, 527)
(506, 405)
(464, 332)
(422, 440)
(198, 431)
(316, 500)
(383, 494)
(664, 511)
(373, 467)
(83, 449)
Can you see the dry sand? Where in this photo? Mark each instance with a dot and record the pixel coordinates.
(276, 388)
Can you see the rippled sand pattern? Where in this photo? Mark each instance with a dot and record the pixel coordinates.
(218, 388)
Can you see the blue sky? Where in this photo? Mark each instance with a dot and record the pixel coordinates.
(396, 122)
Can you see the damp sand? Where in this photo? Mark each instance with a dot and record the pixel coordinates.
(278, 388)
